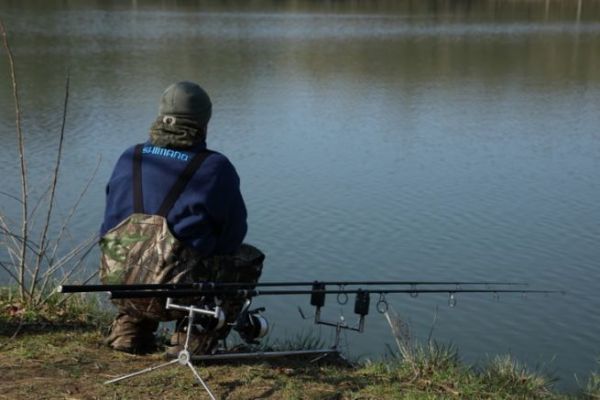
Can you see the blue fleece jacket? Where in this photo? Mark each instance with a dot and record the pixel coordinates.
(210, 214)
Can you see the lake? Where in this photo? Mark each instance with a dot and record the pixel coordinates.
(375, 140)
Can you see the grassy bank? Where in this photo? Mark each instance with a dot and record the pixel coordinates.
(73, 364)
(58, 353)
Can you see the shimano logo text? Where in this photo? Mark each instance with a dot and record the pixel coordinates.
(159, 151)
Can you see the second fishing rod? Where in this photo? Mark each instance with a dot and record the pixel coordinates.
(179, 293)
(210, 285)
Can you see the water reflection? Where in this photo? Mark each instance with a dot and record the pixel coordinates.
(446, 139)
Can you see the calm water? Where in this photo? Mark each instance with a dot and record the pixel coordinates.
(398, 140)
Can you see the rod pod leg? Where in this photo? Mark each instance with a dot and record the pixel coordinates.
(183, 357)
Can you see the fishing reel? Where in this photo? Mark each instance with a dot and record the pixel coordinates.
(206, 322)
(250, 325)
(361, 307)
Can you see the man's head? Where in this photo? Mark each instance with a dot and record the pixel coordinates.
(183, 116)
(186, 100)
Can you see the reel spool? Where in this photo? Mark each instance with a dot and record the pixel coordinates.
(251, 326)
(206, 323)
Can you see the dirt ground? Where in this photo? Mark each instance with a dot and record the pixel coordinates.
(71, 363)
(74, 365)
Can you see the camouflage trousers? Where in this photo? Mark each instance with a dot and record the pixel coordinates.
(133, 330)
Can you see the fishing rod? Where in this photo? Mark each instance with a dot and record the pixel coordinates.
(251, 324)
(211, 294)
(208, 285)
(179, 293)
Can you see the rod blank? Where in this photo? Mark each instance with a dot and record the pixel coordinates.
(207, 285)
(124, 294)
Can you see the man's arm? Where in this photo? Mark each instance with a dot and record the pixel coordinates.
(228, 210)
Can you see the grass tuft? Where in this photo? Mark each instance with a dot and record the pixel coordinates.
(514, 378)
(592, 389)
(301, 341)
(80, 310)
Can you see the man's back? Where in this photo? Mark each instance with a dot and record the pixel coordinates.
(209, 216)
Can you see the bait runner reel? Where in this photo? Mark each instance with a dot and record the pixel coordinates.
(249, 324)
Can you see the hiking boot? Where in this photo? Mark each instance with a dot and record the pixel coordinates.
(200, 343)
(132, 335)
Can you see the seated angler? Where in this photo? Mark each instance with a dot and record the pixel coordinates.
(174, 214)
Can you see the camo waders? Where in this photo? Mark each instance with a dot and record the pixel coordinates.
(141, 249)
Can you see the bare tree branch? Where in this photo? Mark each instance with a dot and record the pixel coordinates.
(84, 246)
(31, 246)
(8, 270)
(85, 281)
(39, 202)
(68, 275)
(44, 235)
(24, 190)
(72, 211)
(10, 196)
(33, 265)
(4, 227)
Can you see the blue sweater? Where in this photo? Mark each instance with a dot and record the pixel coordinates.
(210, 214)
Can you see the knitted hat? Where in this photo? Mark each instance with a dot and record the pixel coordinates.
(187, 100)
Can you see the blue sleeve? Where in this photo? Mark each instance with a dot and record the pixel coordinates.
(118, 193)
(224, 205)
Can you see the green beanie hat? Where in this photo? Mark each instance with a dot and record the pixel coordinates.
(187, 100)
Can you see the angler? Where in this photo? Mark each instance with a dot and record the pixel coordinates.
(174, 214)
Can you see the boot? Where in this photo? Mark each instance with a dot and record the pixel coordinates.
(132, 335)
(199, 342)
